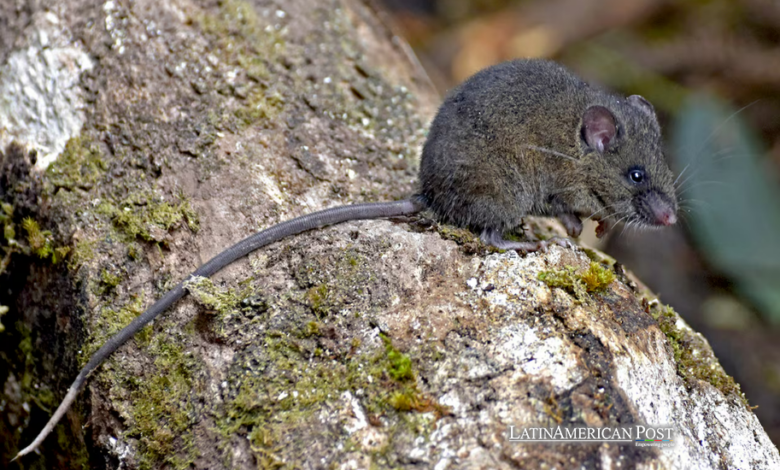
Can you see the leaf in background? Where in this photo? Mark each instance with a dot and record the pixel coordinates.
(735, 204)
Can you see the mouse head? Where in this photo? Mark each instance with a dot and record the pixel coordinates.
(624, 165)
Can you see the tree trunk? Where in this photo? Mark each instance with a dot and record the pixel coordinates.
(152, 135)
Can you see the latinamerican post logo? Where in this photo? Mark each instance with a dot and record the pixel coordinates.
(640, 436)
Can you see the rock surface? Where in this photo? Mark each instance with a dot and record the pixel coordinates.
(376, 344)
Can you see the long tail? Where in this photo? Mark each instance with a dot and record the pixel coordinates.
(295, 226)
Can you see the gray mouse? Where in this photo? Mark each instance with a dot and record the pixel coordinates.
(521, 138)
(528, 137)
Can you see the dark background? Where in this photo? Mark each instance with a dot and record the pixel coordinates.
(712, 70)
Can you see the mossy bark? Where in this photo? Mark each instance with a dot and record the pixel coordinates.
(375, 344)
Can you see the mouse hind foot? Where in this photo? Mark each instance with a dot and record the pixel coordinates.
(495, 238)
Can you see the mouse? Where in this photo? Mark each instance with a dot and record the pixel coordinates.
(528, 137)
(522, 138)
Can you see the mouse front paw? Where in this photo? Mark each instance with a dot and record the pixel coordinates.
(543, 245)
(603, 227)
(572, 223)
(562, 242)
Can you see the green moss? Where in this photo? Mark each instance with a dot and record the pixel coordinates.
(289, 387)
(237, 22)
(141, 215)
(592, 254)
(693, 356)
(3, 311)
(230, 307)
(25, 353)
(8, 245)
(109, 322)
(409, 398)
(461, 236)
(403, 400)
(400, 365)
(332, 284)
(6, 210)
(163, 407)
(312, 329)
(222, 302)
(134, 251)
(262, 443)
(41, 242)
(108, 280)
(6, 220)
(8, 231)
(79, 166)
(468, 242)
(595, 279)
(259, 105)
(39, 396)
(78, 455)
(406, 396)
(317, 298)
(243, 41)
(82, 253)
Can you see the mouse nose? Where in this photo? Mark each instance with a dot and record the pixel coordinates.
(657, 208)
(664, 215)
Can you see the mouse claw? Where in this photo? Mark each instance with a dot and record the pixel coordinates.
(562, 242)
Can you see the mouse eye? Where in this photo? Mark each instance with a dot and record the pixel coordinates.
(636, 175)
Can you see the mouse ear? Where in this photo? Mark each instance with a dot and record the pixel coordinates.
(598, 127)
(641, 103)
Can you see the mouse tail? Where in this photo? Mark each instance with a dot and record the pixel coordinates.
(304, 223)
(333, 216)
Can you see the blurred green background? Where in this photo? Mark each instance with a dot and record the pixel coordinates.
(712, 70)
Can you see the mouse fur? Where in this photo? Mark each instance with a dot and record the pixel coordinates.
(528, 137)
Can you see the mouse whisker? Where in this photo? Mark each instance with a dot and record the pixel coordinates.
(723, 158)
(704, 183)
(714, 132)
(625, 227)
(723, 151)
(690, 176)
(630, 227)
(680, 175)
(610, 206)
(684, 204)
(698, 170)
(684, 216)
(720, 152)
(626, 216)
(704, 143)
(607, 207)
